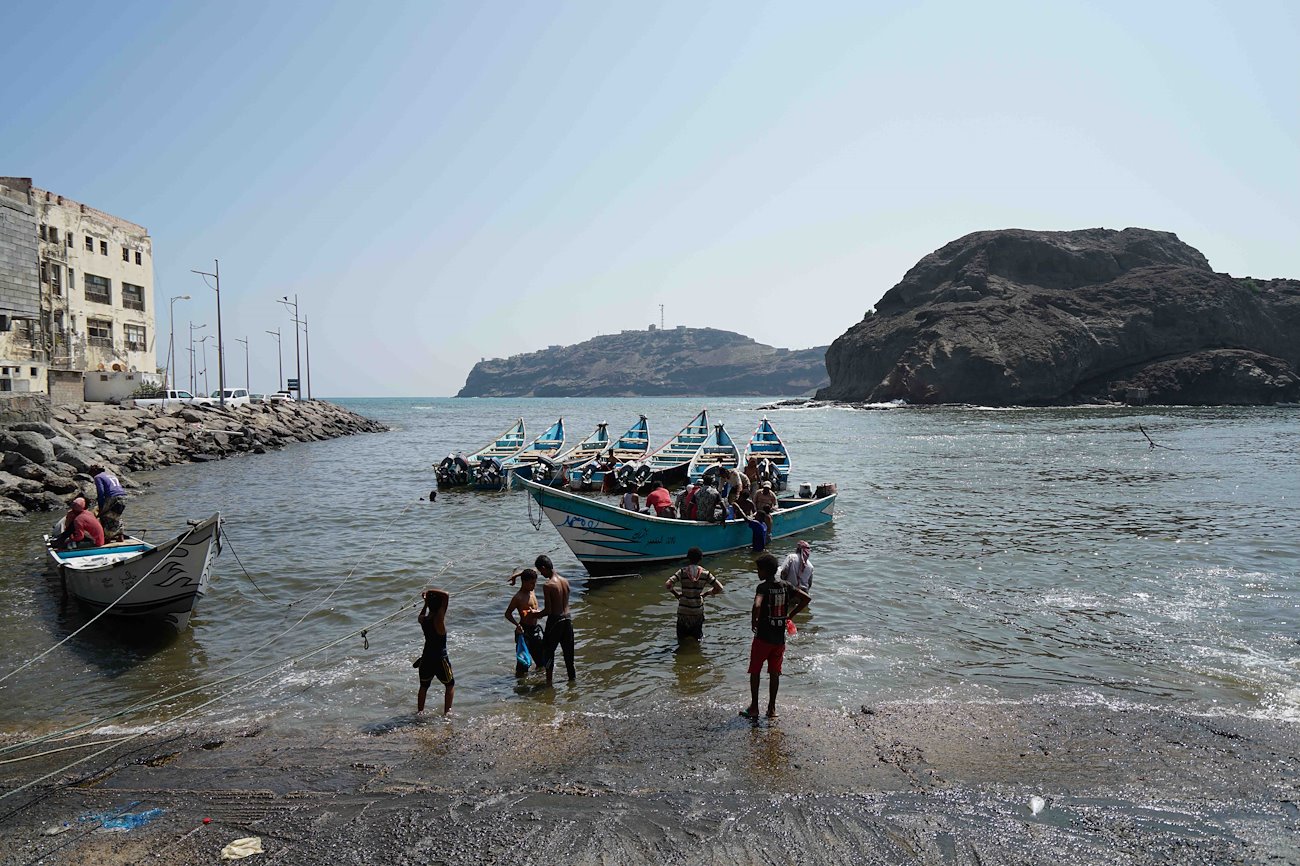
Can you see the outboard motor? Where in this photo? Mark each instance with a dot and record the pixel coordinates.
(643, 474)
(713, 475)
(544, 470)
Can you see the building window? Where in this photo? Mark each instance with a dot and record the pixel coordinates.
(23, 332)
(103, 248)
(90, 243)
(33, 369)
(45, 276)
(137, 257)
(132, 296)
(135, 338)
(42, 231)
(126, 255)
(68, 238)
(98, 289)
(54, 235)
(100, 332)
(56, 279)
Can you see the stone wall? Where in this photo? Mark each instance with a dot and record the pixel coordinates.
(20, 293)
(15, 408)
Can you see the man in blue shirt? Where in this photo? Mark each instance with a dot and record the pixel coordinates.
(111, 499)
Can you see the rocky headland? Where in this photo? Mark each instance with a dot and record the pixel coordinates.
(43, 462)
(1019, 317)
(680, 362)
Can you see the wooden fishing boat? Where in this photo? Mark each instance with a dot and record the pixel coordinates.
(630, 447)
(771, 455)
(717, 453)
(457, 470)
(538, 454)
(608, 540)
(670, 461)
(164, 581)
(581, 454)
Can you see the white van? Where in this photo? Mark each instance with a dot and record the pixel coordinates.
(234, 397)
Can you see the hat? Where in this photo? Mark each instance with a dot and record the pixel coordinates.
(803, 545)
(78, 505)
(767, 485)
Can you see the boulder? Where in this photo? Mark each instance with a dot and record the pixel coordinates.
(10, 510)
(192, 415)
(28, 443)
(1026, 317)
(78, 458)
(12, 461)
(36, 427)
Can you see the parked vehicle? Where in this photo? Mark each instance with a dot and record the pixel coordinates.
(280, 397)
(170, 396)
(234, 397)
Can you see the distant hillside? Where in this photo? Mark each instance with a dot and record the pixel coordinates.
(684, 362)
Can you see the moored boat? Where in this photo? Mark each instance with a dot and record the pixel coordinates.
(135, 579)
(630, 447)
(609, 540)
(457, 470)
(717, 453)
(581, 454)
(770, 453)
(535, 456)
(669, 461)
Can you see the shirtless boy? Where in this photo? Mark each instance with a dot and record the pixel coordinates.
(525, 602)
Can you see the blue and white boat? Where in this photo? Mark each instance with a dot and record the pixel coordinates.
(583, 453)
(630, 447)
(670, 460)
(534, 457)
(608, 540)
(717, 453)
(769, 453)
(457, 470)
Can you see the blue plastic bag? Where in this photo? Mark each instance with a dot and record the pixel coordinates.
(522, 655)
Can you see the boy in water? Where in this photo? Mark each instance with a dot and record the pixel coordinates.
(690, 598)
(525, 601)
(775, 601)
(434, 661)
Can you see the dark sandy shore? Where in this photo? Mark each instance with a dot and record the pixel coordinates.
(900, 783)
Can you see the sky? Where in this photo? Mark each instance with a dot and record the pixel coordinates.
(443, 182)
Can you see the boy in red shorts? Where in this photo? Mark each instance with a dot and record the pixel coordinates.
(775, 601)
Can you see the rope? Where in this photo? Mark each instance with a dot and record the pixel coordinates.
(245, 570)
(53, 751)
(94, 618)
(291, 660)
(541, 515)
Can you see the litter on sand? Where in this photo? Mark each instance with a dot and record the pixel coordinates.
(1036, 804)
(241, 848)
(122, 821)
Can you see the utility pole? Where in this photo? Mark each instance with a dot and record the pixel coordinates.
(306, 338)
(297, 351)
(204, 345)
(171, 346)
(221, 346)
(247, 387)
(280, 356)
(661, 317)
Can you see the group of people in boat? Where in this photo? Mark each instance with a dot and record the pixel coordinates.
(784, 589)
(83, 528)
(722, 493)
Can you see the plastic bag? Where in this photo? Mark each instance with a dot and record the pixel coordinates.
(522, 655)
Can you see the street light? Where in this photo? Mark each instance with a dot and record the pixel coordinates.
(193, 381)
(296, 350)
(306, 340)
(204, 343)
(247, 387)
(221, 346)
(171, 343)
(279, 355)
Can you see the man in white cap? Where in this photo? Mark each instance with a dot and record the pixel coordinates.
(764, 498)
(797, 568)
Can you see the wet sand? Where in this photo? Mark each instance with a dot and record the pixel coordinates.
(900, 783)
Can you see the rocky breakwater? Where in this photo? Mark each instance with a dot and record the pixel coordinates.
(43, 462)
(1018, 317)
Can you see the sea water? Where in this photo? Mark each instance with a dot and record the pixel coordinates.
(976, 555)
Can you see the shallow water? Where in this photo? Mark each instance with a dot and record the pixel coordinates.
(976, 555)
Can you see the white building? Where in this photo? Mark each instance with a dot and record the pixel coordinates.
(96, 286)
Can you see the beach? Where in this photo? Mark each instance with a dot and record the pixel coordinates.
(890, 783)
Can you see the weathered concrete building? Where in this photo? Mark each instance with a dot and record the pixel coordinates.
(20, 296)
(95, 278)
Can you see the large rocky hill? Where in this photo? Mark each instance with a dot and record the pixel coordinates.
(683, 362)
(1028, 317)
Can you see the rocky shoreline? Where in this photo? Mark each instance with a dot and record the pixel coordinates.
(42, 463)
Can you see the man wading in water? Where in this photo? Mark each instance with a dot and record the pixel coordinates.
(559, 622)
(434, 662)
(775, 601)
(525, 601)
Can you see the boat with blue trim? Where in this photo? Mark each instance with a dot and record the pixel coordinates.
(457, 470)
(670, 460)
(718, 453)
(609, 540)
(772, 460)
(133, 578)
(630, 447)
(535, 456)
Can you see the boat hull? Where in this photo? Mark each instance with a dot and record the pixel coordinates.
(609, 540)
(177, 575)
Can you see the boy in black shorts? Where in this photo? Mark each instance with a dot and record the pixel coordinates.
(434, 661)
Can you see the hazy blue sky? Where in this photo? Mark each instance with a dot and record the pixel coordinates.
(442, 182)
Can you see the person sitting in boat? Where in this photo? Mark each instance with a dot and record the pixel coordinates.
(110, 502)
(80, 528)
(707, 501)
(686, 501)
(751, 473)
(660, 500)
(631, 502)
(765, 498)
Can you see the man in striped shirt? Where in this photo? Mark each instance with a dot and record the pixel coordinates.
(690, 597)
